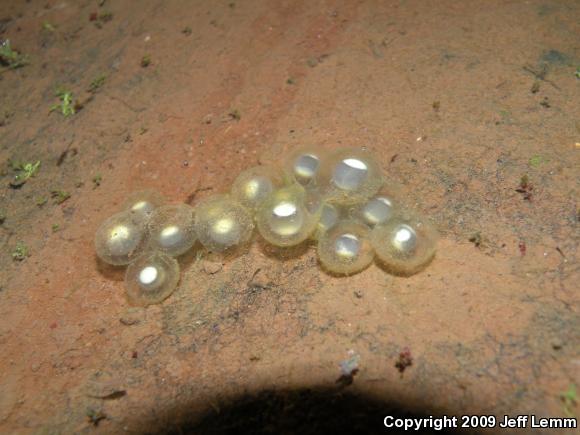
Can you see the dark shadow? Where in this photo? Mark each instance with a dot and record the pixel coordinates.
(400, 273)
(303, 412)
(113, 273)
(280, 253)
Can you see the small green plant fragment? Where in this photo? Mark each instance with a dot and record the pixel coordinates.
(20, 252)
(66, 106)
(24, 172)
(235, 115)
(290, 81)
(97, 83)
(569, 399)
(59, 196)
(577, 73)
(145, 61)
(10, 58)
(48, 27)
(55, 228)
(41, 200)
(97, 179)
(187, 31)
(536, 160)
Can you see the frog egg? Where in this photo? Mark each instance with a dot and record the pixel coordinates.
(330, 215)
(222, 223)
(119, 238)
(303, 165)
(288, 216)
(350, 176)
(377, 210)
(254, 185)
(151, 278)
(405, 245)
(346, 248)
(143, 203)
(171, 229)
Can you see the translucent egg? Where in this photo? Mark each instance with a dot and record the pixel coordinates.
(377, 210)
(222, 223)
(404, 245)
(254, 185)
(288, 216)
(143, 203)
(171, 229)
(330, 215)
(350, 176)
(303, 165)
(151, 278)
(346, 248)
(120, 238)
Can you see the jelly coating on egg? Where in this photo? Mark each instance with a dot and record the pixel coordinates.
(142, 203)
(350, 176)
(288, 216)
(404, 245)
(330, 215)
(221, 223)
(171, 229)
(151, 278)
(253, 186)
(120, 238)
(377, 210)
(303, 165)
(346, 248)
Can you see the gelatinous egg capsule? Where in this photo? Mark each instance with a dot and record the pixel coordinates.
(377, 210)
(119, 238)
(350, 176)
(171, 229)
(330, 215)
(346, 248)
(221, 223)
(404, 244)
(142, 203)
(288, 216)
(254, 185)
(303, 165)
(151, 278)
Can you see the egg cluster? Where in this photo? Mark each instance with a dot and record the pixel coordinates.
(338, 199)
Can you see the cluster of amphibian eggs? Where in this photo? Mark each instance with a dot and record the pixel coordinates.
(338, 199)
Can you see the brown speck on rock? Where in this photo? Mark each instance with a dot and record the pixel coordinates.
(404, 360)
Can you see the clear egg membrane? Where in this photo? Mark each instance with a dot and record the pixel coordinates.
(171, 229)
(350, 176)
(287, 218)
(151, 278)
(345, 248)
(119, 238)
(221, 223)
(404, 245)
(253, 186)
